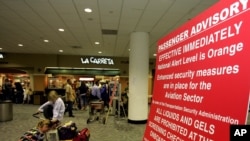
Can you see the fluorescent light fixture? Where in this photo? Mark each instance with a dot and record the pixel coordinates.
(86, 79)
(88, 10)
(97, 43)
(61, 29)
(20, 45)
(46, 41)
(154, 54)
(99, 52)
(60, 50)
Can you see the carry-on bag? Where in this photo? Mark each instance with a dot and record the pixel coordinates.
(67, 131)
(83, 135)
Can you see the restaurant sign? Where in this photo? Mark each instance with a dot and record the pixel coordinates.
(99, 61)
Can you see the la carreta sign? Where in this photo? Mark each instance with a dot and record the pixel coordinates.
(99, 61)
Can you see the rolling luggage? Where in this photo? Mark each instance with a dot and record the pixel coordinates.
(82, 135)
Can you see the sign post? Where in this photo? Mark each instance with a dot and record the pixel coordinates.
(202, 77)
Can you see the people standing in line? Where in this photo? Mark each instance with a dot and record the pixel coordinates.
(94, 97)
(75, 87)
(77, 95)
(18, 93)
(7, 90)
(105, 94)
(54, 108)
(27, 93)
(95, 92)
(83, 90)
(69, 98)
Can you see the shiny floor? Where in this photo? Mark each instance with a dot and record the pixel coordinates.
(113, 130)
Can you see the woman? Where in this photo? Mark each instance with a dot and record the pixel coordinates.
(27, 93)
(54, 108)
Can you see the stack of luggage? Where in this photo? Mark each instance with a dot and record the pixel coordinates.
(47, 131)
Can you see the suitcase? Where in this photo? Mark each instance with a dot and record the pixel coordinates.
(82, 135)
(67, 131)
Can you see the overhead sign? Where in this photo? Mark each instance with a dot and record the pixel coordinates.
(202, 77)
(95, 60)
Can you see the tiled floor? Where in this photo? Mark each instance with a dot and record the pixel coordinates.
(113, 130)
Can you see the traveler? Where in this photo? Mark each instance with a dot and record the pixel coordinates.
(95, 92)
(54, 108)
(27, 93)
(69, 98)
(83, 91)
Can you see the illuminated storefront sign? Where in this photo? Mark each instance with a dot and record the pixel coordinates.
(1, 56)
(99, 61)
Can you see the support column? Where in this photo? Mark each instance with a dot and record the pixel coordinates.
(138, 78)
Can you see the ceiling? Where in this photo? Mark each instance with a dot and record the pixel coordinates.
(30, 22)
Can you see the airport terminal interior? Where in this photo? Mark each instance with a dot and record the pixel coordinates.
(115, 128)
(45, 43)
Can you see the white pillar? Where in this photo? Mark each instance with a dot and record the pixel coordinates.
(138, 77)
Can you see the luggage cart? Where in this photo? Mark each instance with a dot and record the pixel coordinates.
(96, 111)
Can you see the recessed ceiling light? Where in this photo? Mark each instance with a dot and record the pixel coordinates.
(88, 10)
(97, 43)
(99, 52)
(20, 45)
(60, 50)
(61, 29)
(46, 41)
(129, 49)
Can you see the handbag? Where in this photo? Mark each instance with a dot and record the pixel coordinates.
(67, 131)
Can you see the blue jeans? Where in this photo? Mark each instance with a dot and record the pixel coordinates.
(84, 100)
(69, 108)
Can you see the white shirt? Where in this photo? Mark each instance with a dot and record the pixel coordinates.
(58, 108)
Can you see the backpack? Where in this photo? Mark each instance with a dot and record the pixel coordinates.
(82, 135)
(48, 112)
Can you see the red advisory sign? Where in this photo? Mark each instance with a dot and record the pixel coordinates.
(202, 77)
